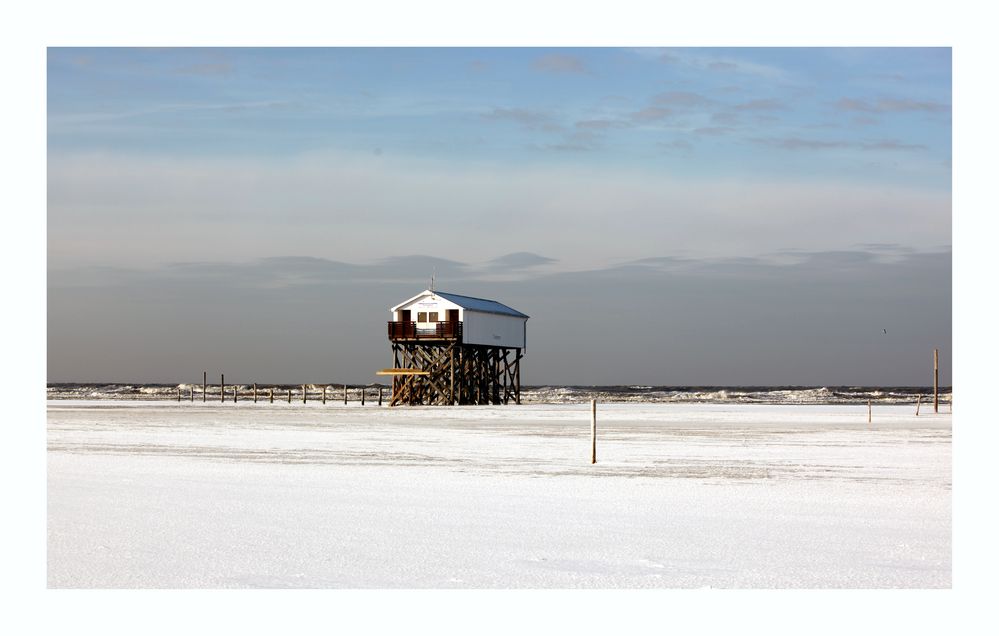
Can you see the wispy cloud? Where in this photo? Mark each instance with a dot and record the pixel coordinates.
(559, 63)
(652, 113)
(531, 119)
(891, 106)
(761, 105)
(722, 64)
(713, 131)
(209, 69)
(680, 99)
(798, 143)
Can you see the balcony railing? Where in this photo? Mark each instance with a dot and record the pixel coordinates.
(449, 330)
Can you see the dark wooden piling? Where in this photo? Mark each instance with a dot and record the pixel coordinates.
(222, 392)
(936, 376)
(204, 386)
(345, 395)
(593, 431)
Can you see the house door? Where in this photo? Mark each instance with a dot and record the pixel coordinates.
(452, 322)
(405, 315)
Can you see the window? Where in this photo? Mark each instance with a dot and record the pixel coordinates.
(433, 316)
(421, 316)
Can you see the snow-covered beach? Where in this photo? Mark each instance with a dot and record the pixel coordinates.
(166, 494)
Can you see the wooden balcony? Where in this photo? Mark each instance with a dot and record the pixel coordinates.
(439, 331)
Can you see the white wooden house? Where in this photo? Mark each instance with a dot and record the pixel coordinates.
(473, 321)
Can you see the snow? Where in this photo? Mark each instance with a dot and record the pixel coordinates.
(167, 495)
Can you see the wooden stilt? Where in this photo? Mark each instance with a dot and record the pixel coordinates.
(936, 390)
(222, 392)
(593, 431)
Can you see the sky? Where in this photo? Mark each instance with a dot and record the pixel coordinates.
(667, 216)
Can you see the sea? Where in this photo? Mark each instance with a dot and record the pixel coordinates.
(548, 394)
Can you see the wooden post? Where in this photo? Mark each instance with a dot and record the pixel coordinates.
(362, 396)
(178, 393)
(254, 392)
(593, 431)
(235, 392)
(868, 411)
(192, 393)
(919, 398)
(222, 392)
(272, 395)
(345, 395)
(379, 396)
(289, 395)
(324, 394)
(936, 368)
(204, 386)
(304, 393)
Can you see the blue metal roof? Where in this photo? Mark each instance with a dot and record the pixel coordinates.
(480, 304)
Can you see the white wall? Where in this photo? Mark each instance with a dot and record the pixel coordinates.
(428, 304)
(493, 329)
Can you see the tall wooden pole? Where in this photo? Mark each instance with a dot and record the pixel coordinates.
(868, 411)
(936, 373)
(222, 392)
(235, 392)
(289, 395)
(192, 392)
(272, 395)
(324, 394)
(362, 396)
(254, 392)
(304, 393)
(593, 431)
(345, 395)
(380, 396)
(204, 386)
(178, 393)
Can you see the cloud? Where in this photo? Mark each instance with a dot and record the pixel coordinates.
(725, 118)
(713, 131)
(652, 113)
(517, 261)
(559, 63)
(530, 119)
(681, 146)
(208, 69)
(680, 99)
(797, 143)
(601, 124)
(722, 64)
(761, 104)
(891, 106)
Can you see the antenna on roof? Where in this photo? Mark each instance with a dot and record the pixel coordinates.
(432, 280)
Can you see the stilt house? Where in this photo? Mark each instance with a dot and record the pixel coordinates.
(454, 349)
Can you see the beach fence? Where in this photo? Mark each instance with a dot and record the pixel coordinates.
(321, 393)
